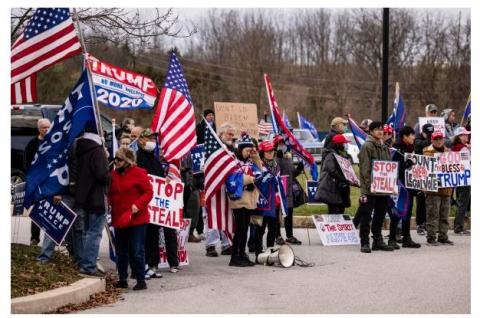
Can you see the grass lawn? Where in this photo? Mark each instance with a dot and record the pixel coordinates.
(30, 277)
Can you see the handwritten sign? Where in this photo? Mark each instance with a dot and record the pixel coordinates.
(453, 169)
(421, 176)
(242, 116)
(166, 206)
(18, 198)
(336, 229)
(384, 177)
(182, 239)
(437, 122)
(347, 170)
(55, 219)
(198, 158)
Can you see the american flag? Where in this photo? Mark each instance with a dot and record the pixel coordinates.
(174, 119)
(49, 37)
(24, 91)
(264, 128)
(219, 164)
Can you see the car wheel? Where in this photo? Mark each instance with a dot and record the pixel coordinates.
(16, 177)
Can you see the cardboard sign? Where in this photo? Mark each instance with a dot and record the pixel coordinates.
(18, 198)
(121, 89)
(421, 176)
(242, 116)
(384, 177)
(198, 158)
(166, 206)
(311, 190)
(347, 170)
(437, 122)
(453, 169)
(336, 229)
(182, 239)
(55, 219)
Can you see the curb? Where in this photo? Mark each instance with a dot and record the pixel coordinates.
(307, 222)
(50, 300)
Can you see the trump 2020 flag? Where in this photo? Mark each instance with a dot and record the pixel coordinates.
(305, 124)
(48, 174)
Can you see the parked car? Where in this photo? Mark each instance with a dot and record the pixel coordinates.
(306, 139)
(24, 128)
(351, 147)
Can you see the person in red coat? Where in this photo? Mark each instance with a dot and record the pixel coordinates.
(130, 192)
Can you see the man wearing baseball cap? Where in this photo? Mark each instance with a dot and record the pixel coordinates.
(431, 110)
(438, 203)
(337, 127)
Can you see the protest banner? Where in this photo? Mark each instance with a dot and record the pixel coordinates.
(421, 176)
(55, 219)
(347, 170)
(121, 89)
(384, 177)
(311, 186)
(437, 122)
(198, 158)
(336, 229)
(453, 169)
(182, 239)
(18, 198)
(242, 116)
(166, 206)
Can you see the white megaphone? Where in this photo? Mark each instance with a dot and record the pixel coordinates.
(283, 255)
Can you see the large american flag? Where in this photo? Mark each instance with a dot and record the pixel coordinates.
(174, 119)
(219, 164)
(24, 91)
(49, 37)
(264, 128)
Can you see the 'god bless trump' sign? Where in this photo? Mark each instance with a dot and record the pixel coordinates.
(166, 206)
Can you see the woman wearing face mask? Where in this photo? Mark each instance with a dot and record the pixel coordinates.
(333, 187)
(129, 194)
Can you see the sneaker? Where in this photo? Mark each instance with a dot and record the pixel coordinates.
(95, 274)
(365, 248)
(409, 243)
(193, 239)
(293, 240)
(202, 236)
(393, 244)
(227, 251)
(121, 284)
(174, 269)
(445, 242)
(421, 230)
(280, 241)
(34, 242)
(237, 262)
(140, 286)
(432, 242)
(154, 273)
(211, 252)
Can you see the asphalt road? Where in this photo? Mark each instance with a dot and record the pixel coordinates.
(343, 280)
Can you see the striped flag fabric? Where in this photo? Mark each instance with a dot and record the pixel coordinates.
(49, 36)
(219, 164)
(264, 128)
(281, 128)
(174, 118)
(24, 91)
(359, 135)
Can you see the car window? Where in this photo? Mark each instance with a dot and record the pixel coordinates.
(303, 135)
(25, 118)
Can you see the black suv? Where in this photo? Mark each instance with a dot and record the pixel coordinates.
(24, 128)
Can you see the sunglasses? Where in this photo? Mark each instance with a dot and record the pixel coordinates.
(118, 159)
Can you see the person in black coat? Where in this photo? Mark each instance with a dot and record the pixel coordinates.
(333, 187)
(338, 126)
(93, 179)
(406, 137)
(202, 126)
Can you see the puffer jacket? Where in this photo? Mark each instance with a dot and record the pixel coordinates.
(431, 151)
(371, 150)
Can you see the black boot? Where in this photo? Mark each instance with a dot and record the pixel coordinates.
(140, 285)
(393, 243)
(247, 260)
(121, 284)
(235, 260)
(408, 242)
(379, 245)
(365, 248)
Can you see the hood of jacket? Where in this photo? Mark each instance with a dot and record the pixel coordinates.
(85, 145)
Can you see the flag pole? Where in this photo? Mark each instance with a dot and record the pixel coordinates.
(299, 121)
(96, 109)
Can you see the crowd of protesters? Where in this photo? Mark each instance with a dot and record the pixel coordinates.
(123, 189)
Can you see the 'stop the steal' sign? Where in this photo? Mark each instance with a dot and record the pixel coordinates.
(421, 176)
(384, 177)
(166, 206)
(453, 169)
(121, 89)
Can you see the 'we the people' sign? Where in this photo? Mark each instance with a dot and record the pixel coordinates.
(166, 206)
(384, 177)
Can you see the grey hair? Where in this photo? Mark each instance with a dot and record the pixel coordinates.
(223, 129)
(42, 120)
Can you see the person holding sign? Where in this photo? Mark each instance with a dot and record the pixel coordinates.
(130, 192)
(333, 188)
(372, 149)
(438, 203)
(406, 137)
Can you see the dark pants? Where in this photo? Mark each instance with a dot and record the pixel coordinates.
(191, 202)
(152, 245)
(287, 222)
(242, 219)
(130, 248)
(336, 209)
(378, 204)
(271, 223)
(199, 226)
(356, 218)
(34, 232)
(171, 246)
(421, 217)
(463, 202)
(252, 236)
(394, 219)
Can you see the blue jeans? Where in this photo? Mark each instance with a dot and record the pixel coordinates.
(94, 225)
(48, 247)
(214, 236)
(130, 247)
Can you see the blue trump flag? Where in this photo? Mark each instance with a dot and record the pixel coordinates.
(467, 112)
(287, 122)
(397, 118)
(48, 174)
(305, 124)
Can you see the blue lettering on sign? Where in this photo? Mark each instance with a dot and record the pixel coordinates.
(453, 180)
(162, 203)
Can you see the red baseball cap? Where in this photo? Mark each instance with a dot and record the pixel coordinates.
(265, 146)
(437, 134)
(387, 129)
(340, 139)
